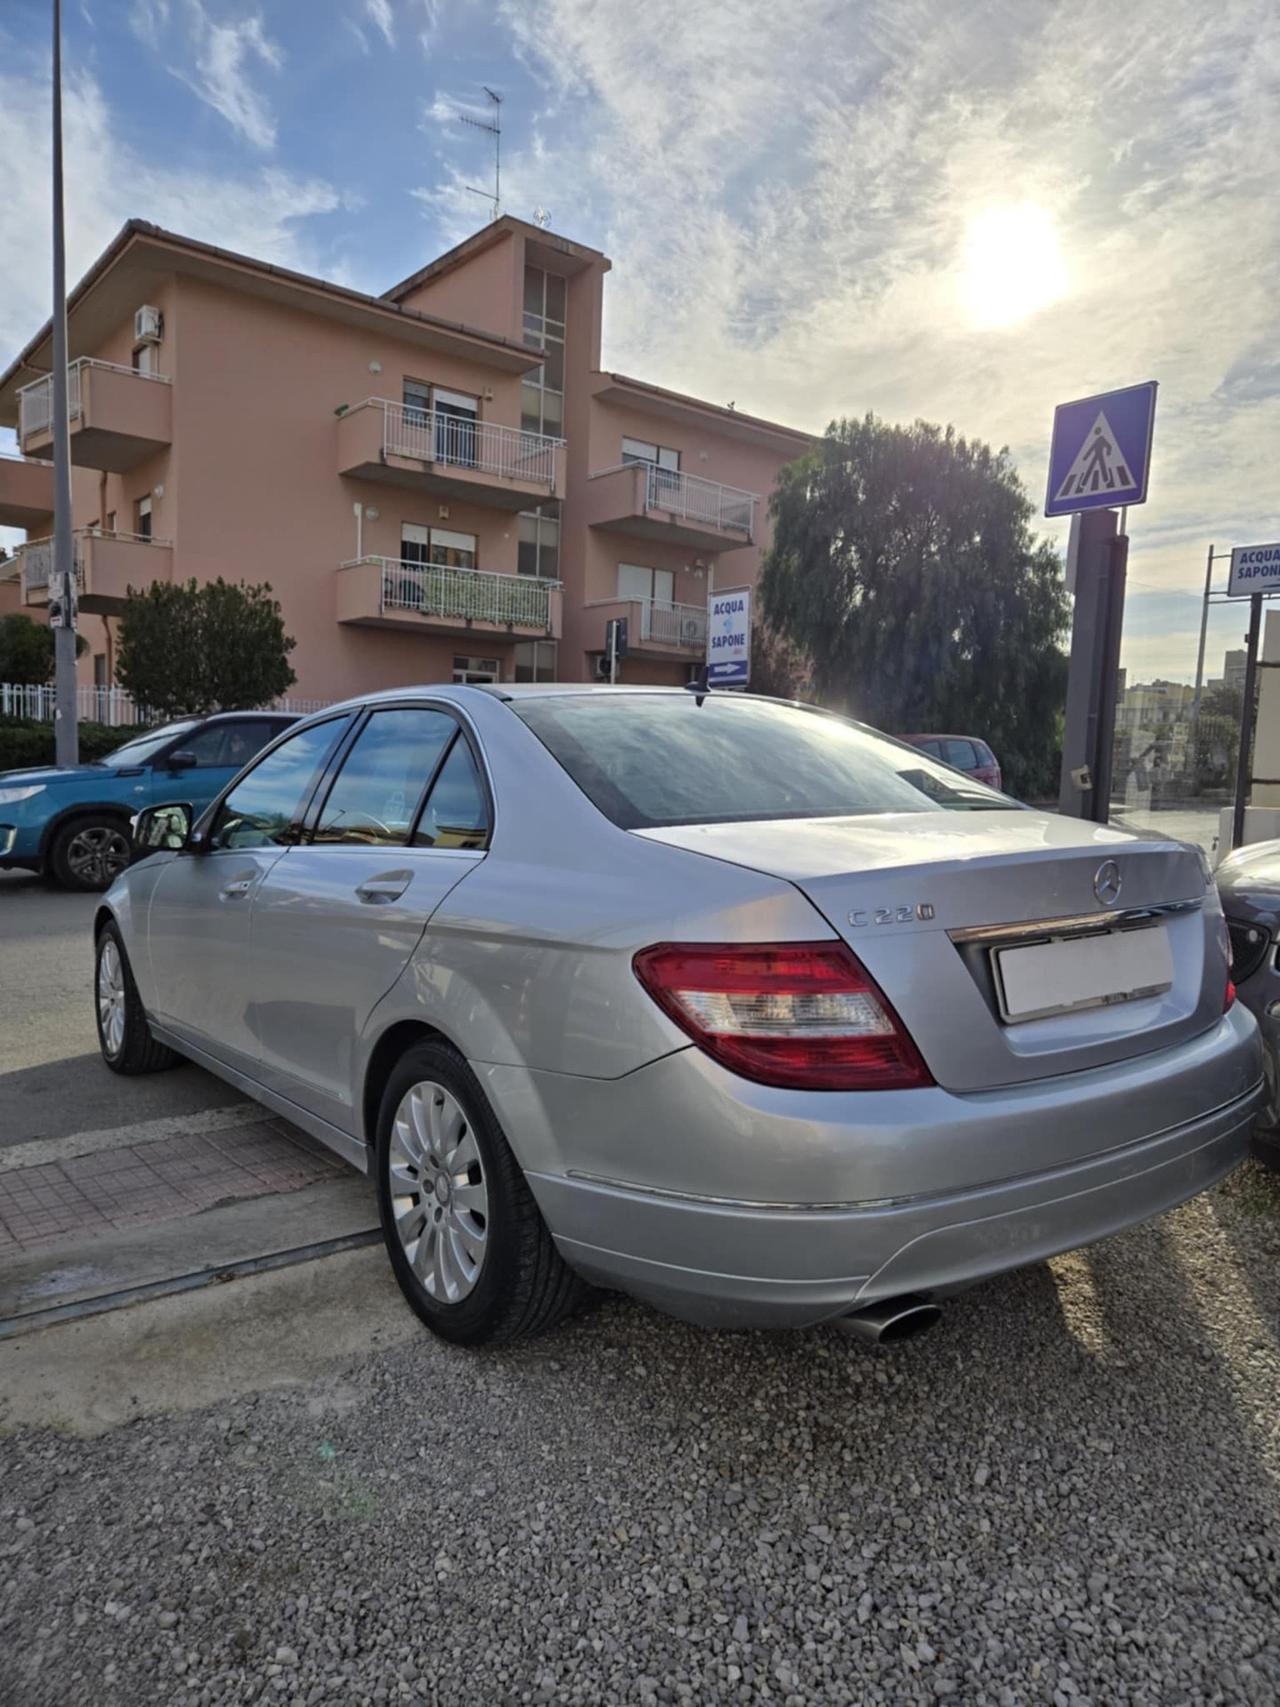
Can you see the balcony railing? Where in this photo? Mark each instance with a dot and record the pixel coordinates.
(673, 624)
(37, 562)
(475, 595)
(35, 401)
(37, 554)
(727, 508)
(463, 442)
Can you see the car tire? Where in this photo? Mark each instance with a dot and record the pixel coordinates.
(90, 852)
(467, 1243)
(124, 1035)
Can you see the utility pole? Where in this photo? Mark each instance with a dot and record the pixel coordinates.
(1204, 630)
(63, 589)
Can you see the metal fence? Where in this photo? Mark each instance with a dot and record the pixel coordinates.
(108, 705)
(727, 508)
(35, 401)
(461, 441)
(475, 594)
(673, 624)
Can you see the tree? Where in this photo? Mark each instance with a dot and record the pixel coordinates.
(778, 668)
(200, 648)
(26, 650)
(903, 563)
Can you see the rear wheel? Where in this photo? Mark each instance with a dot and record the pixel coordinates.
(123, 1033)
(90, 853)
(467, 1244)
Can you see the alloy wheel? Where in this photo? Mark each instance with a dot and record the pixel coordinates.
(111, 997)
(439, 1198)
(97, 854)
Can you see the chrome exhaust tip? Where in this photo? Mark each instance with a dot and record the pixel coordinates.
(890, 1321)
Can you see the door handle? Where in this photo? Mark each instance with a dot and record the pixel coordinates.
(377, 891)
(238, 886)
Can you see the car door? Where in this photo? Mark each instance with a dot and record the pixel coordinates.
(337, 918)
(198, 920)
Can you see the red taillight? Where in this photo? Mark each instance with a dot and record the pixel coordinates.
(1230, 996)
(806, 1015)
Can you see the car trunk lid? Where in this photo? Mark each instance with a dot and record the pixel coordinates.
(930, 902)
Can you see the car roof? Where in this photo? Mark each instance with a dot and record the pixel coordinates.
(460, 693)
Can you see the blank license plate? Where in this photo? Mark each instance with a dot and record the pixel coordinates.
(1083, 972)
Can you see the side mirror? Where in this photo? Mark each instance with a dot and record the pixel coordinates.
(180, 761)
(157, 827)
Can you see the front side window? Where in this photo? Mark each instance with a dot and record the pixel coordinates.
(376, 793)
(646, 761)
(228, 746)
(960, 754)
(456, 814)
(265, 808)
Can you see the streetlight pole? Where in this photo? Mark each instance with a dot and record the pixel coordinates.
(63, 588)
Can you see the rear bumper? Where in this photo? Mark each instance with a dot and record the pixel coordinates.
(747, 1263)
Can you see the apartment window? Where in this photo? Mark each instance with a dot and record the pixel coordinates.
(144, 359)
(446, 421)
(111, 521)
(538, 551)
(477, 670)
(437, 546)
(542, 391)
(640, 450)
(655, 586)
(535, 661)
(100, 670)
(142, 517)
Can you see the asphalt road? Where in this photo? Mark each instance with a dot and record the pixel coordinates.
(52, 1081)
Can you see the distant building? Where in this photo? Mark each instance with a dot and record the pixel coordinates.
(1234, 665)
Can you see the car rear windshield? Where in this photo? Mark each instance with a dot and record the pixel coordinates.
(649, 760)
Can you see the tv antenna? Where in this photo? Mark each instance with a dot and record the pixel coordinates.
(542, 217)
(494, 127)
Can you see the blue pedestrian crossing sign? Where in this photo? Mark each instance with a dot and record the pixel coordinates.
(1101, 451)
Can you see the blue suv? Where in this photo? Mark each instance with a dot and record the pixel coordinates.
(73, 823)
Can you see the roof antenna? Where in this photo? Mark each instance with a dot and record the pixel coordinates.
(494, 127)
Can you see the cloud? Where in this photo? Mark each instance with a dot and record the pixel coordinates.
(263, 212)
(379, 13)
(149, 19)
(787, 193)
(223, 57)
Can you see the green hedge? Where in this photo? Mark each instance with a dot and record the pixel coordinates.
(25, 742)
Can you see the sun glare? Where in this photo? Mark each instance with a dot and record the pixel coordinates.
(1012, 264)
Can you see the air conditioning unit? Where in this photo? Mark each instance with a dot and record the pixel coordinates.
(148, 325)
(443, 512)
(691, 631)
(602, 666)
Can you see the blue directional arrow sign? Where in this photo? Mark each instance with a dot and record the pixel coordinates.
(1101, 451)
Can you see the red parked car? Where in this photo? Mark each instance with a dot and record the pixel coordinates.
(963, 753)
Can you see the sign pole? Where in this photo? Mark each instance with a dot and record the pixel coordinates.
(613, 654)
(1243, 758)
(1204, 632)
(65, 732)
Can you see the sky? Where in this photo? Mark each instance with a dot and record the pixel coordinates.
(964, 211)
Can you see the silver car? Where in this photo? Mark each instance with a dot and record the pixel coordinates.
(727, 1003)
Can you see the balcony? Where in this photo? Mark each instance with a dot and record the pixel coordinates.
(661, 503)
(26, 491)
(107, 565)
(438, 599)
(118, 417)
(658, 629)
(451, 456)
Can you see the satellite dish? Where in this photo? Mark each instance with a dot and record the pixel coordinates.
(542, 217)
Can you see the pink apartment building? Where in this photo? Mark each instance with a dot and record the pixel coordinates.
(438, 483)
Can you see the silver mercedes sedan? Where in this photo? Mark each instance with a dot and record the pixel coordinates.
(727, 1003)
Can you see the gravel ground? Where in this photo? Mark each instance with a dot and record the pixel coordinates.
(1067, 1493)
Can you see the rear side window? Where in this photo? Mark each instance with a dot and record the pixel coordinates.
(265, 807)
(457, 813)
(960, 754)
(649, 760)
(228, 746)
(375, 795)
